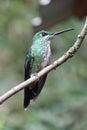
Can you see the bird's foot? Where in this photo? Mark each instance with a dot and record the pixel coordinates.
(36, 75)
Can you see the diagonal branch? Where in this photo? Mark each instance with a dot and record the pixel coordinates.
(47, 69)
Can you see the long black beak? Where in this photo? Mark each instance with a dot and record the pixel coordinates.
(60, 32)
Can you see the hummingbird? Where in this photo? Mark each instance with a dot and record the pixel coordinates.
(37, 58)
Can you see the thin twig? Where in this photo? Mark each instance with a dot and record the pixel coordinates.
(52, 66)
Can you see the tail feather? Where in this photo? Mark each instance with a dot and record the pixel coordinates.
(26, 97)
(35, 90)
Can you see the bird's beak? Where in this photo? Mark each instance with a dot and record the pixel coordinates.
(60, 32)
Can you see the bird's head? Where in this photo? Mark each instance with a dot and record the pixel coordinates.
(45, 35)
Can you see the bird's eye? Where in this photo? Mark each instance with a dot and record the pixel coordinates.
(43, 34)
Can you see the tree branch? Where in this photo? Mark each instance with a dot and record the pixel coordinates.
(47, 69)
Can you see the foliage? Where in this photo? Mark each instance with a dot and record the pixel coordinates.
(62, 105)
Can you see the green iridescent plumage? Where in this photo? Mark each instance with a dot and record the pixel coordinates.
(38, 56)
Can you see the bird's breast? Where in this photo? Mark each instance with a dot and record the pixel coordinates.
(41, 55)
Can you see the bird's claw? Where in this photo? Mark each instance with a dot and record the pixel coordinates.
(36, 75)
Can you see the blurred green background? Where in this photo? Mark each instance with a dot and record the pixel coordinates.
(62, 105)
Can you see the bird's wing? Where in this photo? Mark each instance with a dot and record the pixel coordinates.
(38, 86)
(27, 65)
(33, 90)
(27, 68)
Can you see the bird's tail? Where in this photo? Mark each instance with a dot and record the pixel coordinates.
(26, 98)
(35, 90)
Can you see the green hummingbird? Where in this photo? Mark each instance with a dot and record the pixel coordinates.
(38, 57)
